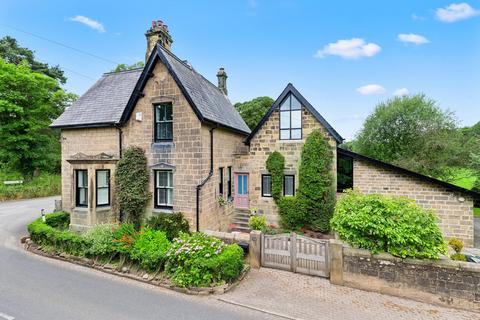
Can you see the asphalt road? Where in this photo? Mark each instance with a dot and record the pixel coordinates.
(34, 287)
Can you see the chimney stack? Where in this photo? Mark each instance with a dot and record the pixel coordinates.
(158, 33)
(222, 80)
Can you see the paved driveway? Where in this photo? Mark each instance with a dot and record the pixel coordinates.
(33, 287)
(304, 297)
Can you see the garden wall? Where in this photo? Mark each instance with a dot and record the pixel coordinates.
(446, 282)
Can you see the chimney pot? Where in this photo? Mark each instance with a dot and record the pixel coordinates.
(158, 33)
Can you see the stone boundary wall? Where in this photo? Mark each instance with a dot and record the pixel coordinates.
(444, 282)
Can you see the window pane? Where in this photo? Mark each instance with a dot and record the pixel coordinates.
(162, 179)
(245, 184)
(170, 197)
(285, 134)
(296, 119)
(296, 134)
(157, 114)
(161, 196)
(267, 185)
(82, 196)
(284, 120)
(102, 196)
(169, 130)
(285, 104)
(168, 112)
(239, 184)
(295, 104)
(170, 179)
(82, 178)
(288, 184)
(102, 178)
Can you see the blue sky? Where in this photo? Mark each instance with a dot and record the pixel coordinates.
(344, 56)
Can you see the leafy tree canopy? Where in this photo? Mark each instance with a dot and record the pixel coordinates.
(29, 101)
(11, 52)
(252, 111)
(124, 67)
(411, 132)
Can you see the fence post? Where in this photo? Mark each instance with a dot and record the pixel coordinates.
(255, 251)
(336, 261)
(293, 252)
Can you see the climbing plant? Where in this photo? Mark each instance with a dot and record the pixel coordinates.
(276, 165)
(131, 185)
(316, 190)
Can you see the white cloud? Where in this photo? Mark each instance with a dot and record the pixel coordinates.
(95, 25)
(371, 89)
(412, 38)
(349, 49)
(455, 12)
(401, 92)
(418, 18)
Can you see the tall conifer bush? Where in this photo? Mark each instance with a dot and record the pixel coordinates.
(131, 185)
(316, 190)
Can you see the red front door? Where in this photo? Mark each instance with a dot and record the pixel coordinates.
(241, 191)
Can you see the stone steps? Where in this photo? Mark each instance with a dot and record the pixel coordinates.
(241, 220)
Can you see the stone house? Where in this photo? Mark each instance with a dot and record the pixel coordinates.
(203, 159)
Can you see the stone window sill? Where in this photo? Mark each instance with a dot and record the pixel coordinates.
(159, 210)
(164, 144)
(105, 208)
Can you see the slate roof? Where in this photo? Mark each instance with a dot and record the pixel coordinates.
(111, 99)
(290, 89)
(102, 104)
(449, 186)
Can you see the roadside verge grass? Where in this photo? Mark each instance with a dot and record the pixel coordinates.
(46, 184)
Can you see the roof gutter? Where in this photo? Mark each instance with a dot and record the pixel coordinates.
(199, 187)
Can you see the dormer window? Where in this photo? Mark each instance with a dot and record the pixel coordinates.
(290, 119)
(163, 122)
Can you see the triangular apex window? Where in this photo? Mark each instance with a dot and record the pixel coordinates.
(290, 119)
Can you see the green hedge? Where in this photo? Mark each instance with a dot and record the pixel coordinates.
(191, 260)
(388, 224)
(58, 220)
(60, 240)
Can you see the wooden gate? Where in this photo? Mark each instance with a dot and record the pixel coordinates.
(295, 253)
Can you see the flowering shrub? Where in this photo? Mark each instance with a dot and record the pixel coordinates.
(390, 224)
(150, 248)
(124, 238)
(258, 223)
(200, 260)
(100, 240)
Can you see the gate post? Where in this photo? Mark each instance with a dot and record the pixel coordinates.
(255, 249)
(293, 252)
(336, 261)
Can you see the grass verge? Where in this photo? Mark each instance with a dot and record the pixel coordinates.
(44, 185)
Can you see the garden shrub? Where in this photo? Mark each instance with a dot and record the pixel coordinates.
(171, 223)
(101, 240)
(131, 185)
(200, 260)
(124, 237)
(58, 220)
(275, 166)
(61, 240)
(389, 224)
(316, 191)
(292, 216)
(150, 249)
(458, 257)
(456, 244)
(258, 223)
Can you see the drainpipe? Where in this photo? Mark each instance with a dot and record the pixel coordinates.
(120, 135)
(199, 187)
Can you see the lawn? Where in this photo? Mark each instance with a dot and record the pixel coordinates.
(476, 212)
(46, 184)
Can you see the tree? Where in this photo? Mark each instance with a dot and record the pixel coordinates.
(316, 191)
(125, 67)
(131, 185)
(411, 132)
(11, 52)
(252, 111)
(29, 101)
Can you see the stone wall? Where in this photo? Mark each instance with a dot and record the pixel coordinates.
(444, 282)
(455, 210)
(262, 145)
